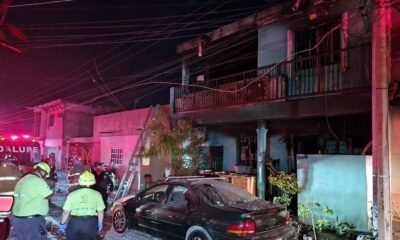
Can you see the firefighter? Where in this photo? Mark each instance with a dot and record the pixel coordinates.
(73, 174)
(86, 208)
(104, 184)
(31, 204)
(10, 174)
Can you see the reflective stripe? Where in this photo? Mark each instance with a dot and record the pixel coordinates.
(73, 184)
(74, 174)
(8, 178)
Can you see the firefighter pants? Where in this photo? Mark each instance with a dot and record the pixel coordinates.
(30, 228)
(82, 228)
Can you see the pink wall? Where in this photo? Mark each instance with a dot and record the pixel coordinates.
(121, 123)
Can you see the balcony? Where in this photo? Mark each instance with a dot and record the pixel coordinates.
(338, 72)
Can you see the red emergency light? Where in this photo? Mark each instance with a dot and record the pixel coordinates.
(14, 137)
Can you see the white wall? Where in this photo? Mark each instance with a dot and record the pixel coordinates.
(341, 182)
(120, 123)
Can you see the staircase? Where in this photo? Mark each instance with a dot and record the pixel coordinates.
(134, 161)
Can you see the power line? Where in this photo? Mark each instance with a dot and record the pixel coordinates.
(39, 3)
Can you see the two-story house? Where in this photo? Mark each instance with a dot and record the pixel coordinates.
(292, 79)
(59, 121)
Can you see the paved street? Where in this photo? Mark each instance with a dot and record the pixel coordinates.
(54, 219)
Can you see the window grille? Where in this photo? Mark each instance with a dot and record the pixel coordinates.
(116, 156)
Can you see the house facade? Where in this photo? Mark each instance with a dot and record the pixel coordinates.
(56, 123)
(119, 136)
(289, 83)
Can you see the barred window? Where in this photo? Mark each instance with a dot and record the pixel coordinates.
(116, 156)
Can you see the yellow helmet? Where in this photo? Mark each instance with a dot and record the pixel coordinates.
(86, 179)
(43, 166)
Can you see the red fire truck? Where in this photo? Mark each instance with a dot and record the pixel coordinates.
(18, 154)
(24, 150)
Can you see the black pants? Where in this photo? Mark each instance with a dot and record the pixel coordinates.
(30, 228)
(82, 228)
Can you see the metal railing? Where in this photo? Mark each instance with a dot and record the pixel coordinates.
(329, 73)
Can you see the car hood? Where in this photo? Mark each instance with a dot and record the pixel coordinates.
(121, 201)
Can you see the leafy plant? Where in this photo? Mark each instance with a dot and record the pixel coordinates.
(287, 183)
(289, 186)
(324, 221)
(182, 142)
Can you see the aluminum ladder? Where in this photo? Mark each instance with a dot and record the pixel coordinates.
(130, 172)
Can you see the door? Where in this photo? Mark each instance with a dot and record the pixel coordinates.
(216, 158)
(173, 214)
(149, 203)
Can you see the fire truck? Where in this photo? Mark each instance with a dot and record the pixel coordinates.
(18, 154)
(24, 150)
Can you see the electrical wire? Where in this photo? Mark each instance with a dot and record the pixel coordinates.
(216, 89)
(39, 3)
(57, 88)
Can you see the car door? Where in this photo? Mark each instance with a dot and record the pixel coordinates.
(149, 203)
(171, 217)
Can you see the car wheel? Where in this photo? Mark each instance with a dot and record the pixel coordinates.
(119, 220)
(197, 235)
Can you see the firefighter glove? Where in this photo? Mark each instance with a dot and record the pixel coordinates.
(63, 227)
(100, 226)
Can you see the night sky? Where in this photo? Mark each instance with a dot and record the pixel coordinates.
(80, 50)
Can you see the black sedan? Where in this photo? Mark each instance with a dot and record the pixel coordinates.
(202, 209)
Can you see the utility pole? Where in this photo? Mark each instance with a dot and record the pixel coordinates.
(380, 111)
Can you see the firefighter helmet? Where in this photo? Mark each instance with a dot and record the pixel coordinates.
(43, 166)
(86, 179)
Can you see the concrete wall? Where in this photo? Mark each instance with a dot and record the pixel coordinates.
(121, 123)
(395, 149)
(217, 138)
(341, 182)
(272, 44)
(55, 131)
(78, 124)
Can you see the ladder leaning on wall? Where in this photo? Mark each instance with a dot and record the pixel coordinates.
(130, 173)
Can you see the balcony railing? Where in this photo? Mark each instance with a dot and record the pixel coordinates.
(330, 73)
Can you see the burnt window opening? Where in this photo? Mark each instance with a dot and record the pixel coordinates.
(320, 41)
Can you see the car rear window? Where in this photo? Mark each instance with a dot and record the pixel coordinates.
(222, 193)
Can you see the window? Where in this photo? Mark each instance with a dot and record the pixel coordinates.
(247, 151)
(328, 45)
(156, 194)
(116, 156)
(177, 197)
(51, 120)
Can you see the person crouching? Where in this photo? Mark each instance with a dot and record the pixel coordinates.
(86, 208)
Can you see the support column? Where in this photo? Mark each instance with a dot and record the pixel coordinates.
(261, 149)
(380, 144)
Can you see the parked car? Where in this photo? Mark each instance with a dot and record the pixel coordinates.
(6, 203)
(201, 209)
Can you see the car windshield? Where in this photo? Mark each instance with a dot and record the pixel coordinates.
(222, 193)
